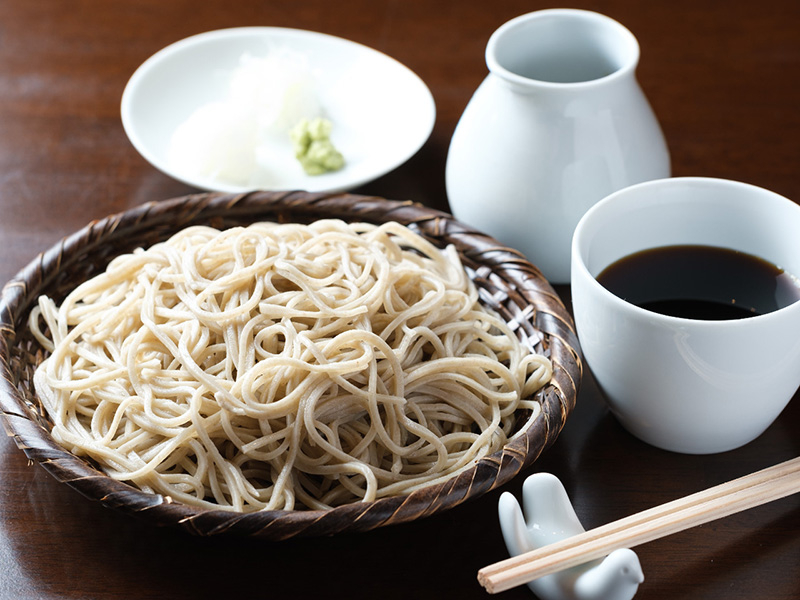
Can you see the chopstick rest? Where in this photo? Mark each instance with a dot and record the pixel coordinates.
(550, 518)
(702, 507)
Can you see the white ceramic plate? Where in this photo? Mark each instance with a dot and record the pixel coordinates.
(382, 112)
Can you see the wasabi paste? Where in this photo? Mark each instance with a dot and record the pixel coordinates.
(313, 146)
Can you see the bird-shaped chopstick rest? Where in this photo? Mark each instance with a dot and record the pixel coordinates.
(550, 517)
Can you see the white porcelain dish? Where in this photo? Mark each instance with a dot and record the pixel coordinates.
(382, 112)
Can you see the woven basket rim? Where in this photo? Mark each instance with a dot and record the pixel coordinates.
(502, 270)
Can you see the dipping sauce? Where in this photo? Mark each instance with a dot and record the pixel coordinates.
(700, 282)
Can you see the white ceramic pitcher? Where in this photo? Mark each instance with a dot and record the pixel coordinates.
(559, 123)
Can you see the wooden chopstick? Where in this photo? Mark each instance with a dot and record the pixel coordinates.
(719, 501)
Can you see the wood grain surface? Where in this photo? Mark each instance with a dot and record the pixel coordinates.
(722, 78)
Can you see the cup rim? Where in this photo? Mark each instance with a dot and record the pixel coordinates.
(624, 70)
(578, 263)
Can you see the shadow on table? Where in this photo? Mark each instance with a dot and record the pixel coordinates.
(83, 550)
(610, 474)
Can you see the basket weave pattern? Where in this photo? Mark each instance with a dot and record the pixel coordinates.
(507, 283)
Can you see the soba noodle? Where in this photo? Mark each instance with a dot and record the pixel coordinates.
(283, 366)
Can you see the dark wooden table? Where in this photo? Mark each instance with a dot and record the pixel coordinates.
(722, 77)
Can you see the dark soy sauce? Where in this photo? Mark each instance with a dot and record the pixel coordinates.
(700, 282)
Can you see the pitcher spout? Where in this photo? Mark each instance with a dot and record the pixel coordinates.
(562, 47)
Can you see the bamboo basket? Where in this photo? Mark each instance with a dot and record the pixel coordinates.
(507, 282)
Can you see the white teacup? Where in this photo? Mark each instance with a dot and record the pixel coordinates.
(688, 385)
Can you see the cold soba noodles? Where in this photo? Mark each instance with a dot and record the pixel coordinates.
(283, 367)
